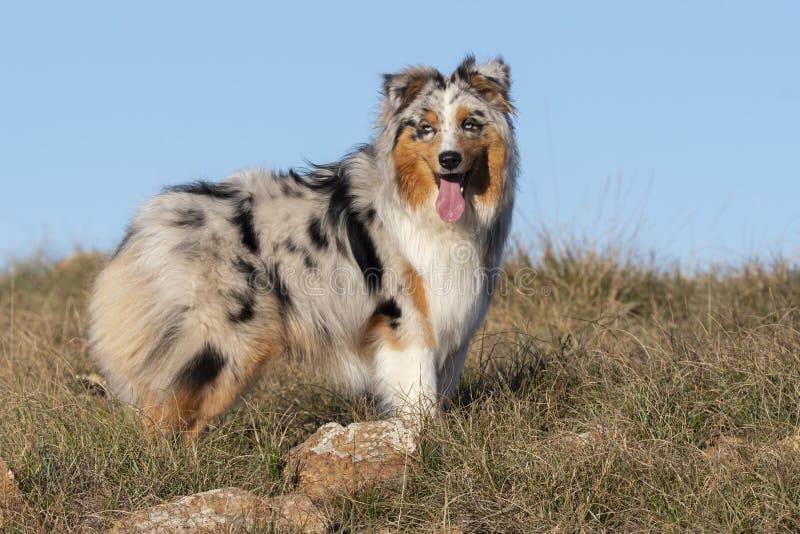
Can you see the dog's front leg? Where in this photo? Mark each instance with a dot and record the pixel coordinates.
(406, 380)
(450, 372)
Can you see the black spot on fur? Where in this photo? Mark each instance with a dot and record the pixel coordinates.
(389, 309)
(244, 220)
(288, 189)
(365, 254)
(246, 311)
(294, 248)
(340, 201)
(299, 180)
(246, 300)
(308, 261)
(315, 233)
(279, 288)
(189, 218)
(332, 180)
(400, 129)
(340, 246)
(209, 189)
(466, 69)
(202, 369)
(322, 178)
(290, 245)
(248, 269)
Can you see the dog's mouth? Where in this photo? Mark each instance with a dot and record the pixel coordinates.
(450, 203)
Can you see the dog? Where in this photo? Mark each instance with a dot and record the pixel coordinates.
(378, 268)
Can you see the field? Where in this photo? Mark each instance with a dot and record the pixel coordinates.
(603, 393)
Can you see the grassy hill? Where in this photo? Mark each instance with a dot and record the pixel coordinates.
(602, 393)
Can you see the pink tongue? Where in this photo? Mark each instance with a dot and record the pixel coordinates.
(450, 203)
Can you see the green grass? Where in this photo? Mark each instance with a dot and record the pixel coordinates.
(665, 363)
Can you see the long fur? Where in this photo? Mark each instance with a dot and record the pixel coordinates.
(348, 264)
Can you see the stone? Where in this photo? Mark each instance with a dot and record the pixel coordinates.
(226, 510)
(333, 461)
(587, 439)
(338, 460)
(591, 437)
(11, 498)
(297, 513)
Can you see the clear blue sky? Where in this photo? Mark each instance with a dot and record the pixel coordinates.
(679, 118)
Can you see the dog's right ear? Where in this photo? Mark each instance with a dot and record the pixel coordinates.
(402, 88)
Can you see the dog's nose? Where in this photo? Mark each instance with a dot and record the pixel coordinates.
(449, 159)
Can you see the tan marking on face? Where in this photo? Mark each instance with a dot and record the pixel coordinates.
(470, 148)
(462, 114)
(415, 287)
(488, 154)
(414, 161)
(432, 118)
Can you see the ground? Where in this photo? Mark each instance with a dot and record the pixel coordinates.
(603, 392)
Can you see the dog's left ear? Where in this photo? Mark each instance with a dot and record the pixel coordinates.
(492, 80)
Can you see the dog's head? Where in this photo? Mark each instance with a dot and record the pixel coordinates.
(451, 137)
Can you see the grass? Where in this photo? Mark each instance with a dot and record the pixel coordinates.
(592, 399)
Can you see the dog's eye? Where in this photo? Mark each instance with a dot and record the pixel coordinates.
(470, 125)
(425, 128)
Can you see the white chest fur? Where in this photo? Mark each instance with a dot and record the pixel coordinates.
(451, 264)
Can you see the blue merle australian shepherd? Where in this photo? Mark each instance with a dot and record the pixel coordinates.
(377, 268)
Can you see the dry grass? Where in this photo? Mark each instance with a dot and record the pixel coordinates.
(610, 394)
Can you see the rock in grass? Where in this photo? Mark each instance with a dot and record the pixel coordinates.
(226, 510)
(338, 460)
(589, 438)
(11, 498)
(296, 513)
(333, 461)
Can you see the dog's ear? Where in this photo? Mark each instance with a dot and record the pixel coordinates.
(492, 80)
(402, 88)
